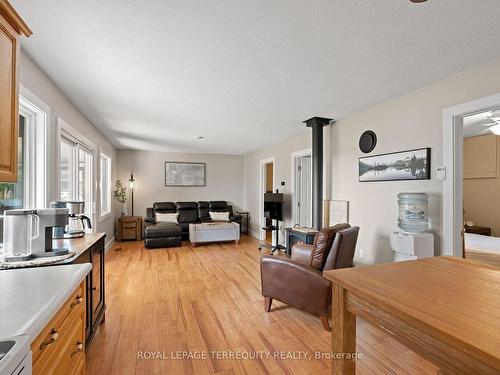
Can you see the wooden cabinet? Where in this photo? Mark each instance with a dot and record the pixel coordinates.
(60, 347)
(129, 228)
(95, 303)
(11, 28)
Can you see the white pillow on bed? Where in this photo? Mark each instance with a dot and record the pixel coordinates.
(167, 218)
(219, 216)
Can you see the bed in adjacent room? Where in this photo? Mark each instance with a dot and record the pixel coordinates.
(484, 249)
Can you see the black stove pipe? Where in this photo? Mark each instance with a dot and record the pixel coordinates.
(317, 124)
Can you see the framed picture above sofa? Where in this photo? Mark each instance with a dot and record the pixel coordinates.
(396, 166)
(179, 173)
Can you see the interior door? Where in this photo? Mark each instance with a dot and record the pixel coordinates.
(303, 190)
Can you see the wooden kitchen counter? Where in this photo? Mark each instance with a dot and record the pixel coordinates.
(445, 309)
(79, 245)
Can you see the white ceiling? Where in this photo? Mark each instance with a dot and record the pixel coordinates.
(479, 123)
(155, 74)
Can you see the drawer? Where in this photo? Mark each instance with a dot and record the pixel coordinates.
(72, 350)
(129, 234)
(70, 334)
(57, 330)
(79, 368)
(129, 225)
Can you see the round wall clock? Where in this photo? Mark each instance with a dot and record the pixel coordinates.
(367, 141)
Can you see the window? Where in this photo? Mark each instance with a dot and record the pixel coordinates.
(76, 172)
(105, 184)
(29, 190)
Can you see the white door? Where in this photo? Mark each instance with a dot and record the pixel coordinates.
(303, 189)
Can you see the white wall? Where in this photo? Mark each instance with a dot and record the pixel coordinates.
(408, 122)
(36, 86)
(224, 178)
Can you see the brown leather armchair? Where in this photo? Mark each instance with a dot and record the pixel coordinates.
(299, 281)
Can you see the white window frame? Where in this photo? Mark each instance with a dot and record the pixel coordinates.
(103, 215)
(35, 158)
(65, 130)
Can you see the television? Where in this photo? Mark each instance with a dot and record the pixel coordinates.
(273, 206)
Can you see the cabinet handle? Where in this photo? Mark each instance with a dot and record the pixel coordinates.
(78, 349)
(54, 334)
(77, 301)
(94, 288)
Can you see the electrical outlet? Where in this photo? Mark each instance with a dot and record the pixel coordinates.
(361, 253)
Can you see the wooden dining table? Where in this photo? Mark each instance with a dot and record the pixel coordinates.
(445, 309)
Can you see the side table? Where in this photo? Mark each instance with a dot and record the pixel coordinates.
(129, 228)
(245, 228)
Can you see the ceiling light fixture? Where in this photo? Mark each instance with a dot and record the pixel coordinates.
(200, 137)
(418, 1)
(495, 129)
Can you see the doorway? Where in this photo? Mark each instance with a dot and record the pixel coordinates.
(302, 188)
(453, 161)
(267, 185)
(481, 186)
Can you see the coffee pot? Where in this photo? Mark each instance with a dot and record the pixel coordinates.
(77, 220)
(76, 226)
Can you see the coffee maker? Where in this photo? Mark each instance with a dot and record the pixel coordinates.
(77, 220)
(29, 233)
(50, 219)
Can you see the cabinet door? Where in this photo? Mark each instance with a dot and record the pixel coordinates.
(9, 52)
(86, 258)
(97, 292)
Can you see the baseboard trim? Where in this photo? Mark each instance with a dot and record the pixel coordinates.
(109, 244)
(254, 234)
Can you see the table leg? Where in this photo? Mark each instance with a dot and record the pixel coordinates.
(343, 334)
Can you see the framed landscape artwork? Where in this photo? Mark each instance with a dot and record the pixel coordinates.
(179, 173)
(396, 166)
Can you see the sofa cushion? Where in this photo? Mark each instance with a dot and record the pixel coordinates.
(188, 212)
(166, 207)
(323, 244)
(203, 211)
(218, 205)
(163, 230)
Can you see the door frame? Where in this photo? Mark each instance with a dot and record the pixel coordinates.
(262, 190)
(294, 156)
(453, 144)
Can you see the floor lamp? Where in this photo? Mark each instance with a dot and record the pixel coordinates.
(131, 185)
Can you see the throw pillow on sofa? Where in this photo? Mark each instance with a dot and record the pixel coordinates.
(219, 216)
(167, 218)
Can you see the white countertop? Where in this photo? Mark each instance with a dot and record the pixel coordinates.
(30, 297)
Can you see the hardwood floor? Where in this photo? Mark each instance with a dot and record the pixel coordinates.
(163, 302)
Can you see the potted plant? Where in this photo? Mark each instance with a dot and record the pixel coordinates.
(120, 193)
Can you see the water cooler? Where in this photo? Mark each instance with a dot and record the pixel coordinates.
(411, 240)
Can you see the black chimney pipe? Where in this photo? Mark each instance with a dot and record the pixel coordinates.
(317, 124)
